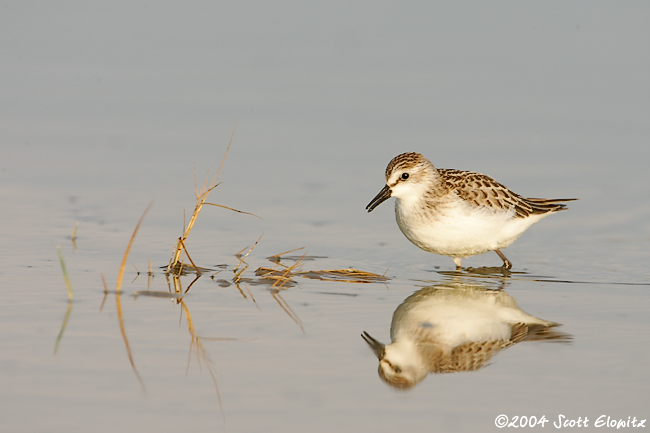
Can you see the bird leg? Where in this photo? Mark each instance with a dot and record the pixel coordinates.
(506, 262)
(457, 260)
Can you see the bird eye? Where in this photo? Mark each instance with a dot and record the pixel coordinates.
(405, 176)
(397, 369)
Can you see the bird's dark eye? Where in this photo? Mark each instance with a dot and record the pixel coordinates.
(405, 176)
(396, 368)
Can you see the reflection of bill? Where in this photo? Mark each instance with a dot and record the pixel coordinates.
(445, 329)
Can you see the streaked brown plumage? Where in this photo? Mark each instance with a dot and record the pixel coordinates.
(458, 213)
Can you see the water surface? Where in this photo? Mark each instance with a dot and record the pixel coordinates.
(106, 109)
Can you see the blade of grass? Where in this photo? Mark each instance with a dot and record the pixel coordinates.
(276, 257)
(120, 275)
(118, 301)
(241, 258)
(232, 209)
(234, 127)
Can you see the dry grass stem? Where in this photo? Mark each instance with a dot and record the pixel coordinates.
(233, 209)
(238, 275)
(196, 268)
(201, 197)
(281, 279)
(345, 275)
(178, 288)
(118, 301)
(242, 258)
(275, 277)
(277, 257)
(120, 275)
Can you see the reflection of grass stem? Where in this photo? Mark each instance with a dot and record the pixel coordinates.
(287, 309)
(105, 292)
(74, 237)
(279, 284)
(65, 274)
(118, 302)
(70, 297)
(201, 353)
(63, 325)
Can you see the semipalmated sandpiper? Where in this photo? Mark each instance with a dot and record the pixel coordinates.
(458, 213)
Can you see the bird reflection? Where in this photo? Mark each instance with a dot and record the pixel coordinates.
(452, 328)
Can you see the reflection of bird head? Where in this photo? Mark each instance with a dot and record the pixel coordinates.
(400, 364)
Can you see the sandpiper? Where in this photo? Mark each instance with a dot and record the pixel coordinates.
(453, 328)
(458, 213)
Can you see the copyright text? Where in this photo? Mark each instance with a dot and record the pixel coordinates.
(562, 421)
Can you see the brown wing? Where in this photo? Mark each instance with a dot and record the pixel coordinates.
(475, 355)
(483, 191)
(466, 357)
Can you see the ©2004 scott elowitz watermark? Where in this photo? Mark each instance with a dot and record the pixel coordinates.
(562, 421)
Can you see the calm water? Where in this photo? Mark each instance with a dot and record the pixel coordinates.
(105, 109)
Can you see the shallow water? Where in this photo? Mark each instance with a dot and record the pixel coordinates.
(103, 114)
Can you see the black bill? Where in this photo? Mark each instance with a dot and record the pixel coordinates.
(375, 345)
(383, 195)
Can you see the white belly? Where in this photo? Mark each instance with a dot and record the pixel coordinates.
(459, 230)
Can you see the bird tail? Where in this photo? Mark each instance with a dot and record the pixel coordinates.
(544, 205)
